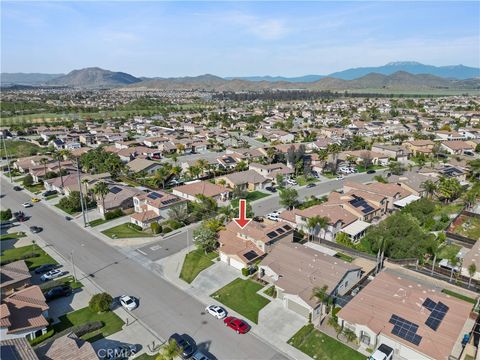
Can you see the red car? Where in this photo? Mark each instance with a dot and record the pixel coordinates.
(240, 326)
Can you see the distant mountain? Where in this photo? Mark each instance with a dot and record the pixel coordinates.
(400, 80)
(26, 78)
(305, 78)
(459, 72)
(94, 77)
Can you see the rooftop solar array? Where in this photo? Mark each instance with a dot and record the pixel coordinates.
(272, 234)
(405, 329)
(429, 304)
(115, 190)
(280, 230)
(436, 316)
(169, 201)
(360, 202)
(154, 195)
(287, 227)
(250, 255)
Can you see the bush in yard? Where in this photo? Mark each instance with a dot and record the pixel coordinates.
(5, 215)
(28, 180)
(72, 204)
(166, 230)
(134, 227)
(155, 227)
(110, 215)
(88, 327)
(100, 302)
(245, 271)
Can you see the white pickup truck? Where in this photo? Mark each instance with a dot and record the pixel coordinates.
(383, 352)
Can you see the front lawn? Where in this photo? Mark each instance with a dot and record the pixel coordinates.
(321, 346)
(97, 222)
(11, 236)
(195, 262)
(35, 188)
(33, 255)
(67, 210)
(67, 280)
(302, 180)
(241, 295)
(250, 196)
(448, 251)
(124, 231)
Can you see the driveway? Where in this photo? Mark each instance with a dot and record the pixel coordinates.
(282, 323)
(213, 278)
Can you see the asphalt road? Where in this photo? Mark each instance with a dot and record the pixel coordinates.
(268, 204)
(163, 307)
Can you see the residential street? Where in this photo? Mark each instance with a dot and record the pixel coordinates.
(163, 307)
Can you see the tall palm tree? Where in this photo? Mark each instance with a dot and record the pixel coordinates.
(160, 176)
(202, 165)
(193, 171)
(57, 155)
(334, 150)
(101, 189)
(322, 295)
(472, 269)
(44, 162)
(322, 223)
(85, 183)
(434, 249)
(430, 187)
(271, 154)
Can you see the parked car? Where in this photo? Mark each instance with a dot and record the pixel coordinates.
(200, 356)
(311, 185)
(17, 188)
(292, 182)
(27, 205)
(273, 216)
(271, 189)
(45, 268)
(49, 193)
(58, 292)
(383, 352)
(240, 326)
(20, 216)
(258, 218)
(52, 274)
(340, 177)
(68, 218)
(35, 229)
(128, 302)
(371, 171)
(35, 200)
(188, 347)
(216, 311)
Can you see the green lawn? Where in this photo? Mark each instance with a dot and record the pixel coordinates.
(35, 188)
(241, 295)
(51, 197)
(302, 180)
(97, 222)
(67, 280)
(18, 148)
(123, 231)
(111, 324)
(16, 235)
(250, 196)
(344, 257)
(322, 347)
(459, 296)
(469, 228)
(448, 251)
(450, 209)
(361, 168)
(27, 253)
(195, 262)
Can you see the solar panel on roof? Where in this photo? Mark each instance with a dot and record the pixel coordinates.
(429, 304)
(250, 255)
(280, 230)
(436, 316)
(169, 201)
(405, 329)
(272, 234)
(154, 195)
(287, 227)
(115, 190)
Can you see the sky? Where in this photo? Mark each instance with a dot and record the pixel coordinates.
(169, 39)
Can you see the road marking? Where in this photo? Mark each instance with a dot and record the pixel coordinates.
(142, 252)
(155, 247)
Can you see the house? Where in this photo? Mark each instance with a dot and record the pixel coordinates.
(70, 182)
(25, 164)
(416, 147)
(241, 248)
(24, 314)
(296, 270)
(472, 257)
(397, 152)
(138, 165)
(362, 156)
(118, 197)
(68, 347)
(191, 190)
(412, 181)
(270, 171)
(153, 207)
(14, 276)
(365, 206)
(17, 349)
(392, 192)
(416, 320)
(249, 180)
(457, 147)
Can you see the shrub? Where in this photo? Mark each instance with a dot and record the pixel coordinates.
(28, 180)
(110, 215)
(134, 227)
(88, 327)
(245, 271)
(166, 230)
(23, 257)
(100, 302)
(5, 215)
(155, 227)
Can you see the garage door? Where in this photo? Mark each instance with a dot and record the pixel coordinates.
(299, 309)
(236, 264)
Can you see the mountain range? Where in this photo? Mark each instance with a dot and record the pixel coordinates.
(394, 76)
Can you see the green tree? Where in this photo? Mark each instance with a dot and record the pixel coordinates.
(101, 190)
(5, 215)
(27, 180)
(472, 269)
(342, 238)
(179, 213)
(449, 189)
(205, 238)
(288, 197)
(100, 302)
(58, 155)
(430, 187)
(322, 295)
(380, 179)
(396, 168)
(169, 351)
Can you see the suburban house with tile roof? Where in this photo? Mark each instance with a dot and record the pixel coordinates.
(241, 248)
(416, 320)
(270, 171)
(24, 314)
(249, 180)
(457, 147)
(416, 147)
(68, 347)
(191, 190)
(296, 270)
(14, 276)
(17, 349)
(118, 197)
(392, 192)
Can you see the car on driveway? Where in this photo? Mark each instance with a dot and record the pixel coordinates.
(188, 347)
(52, 274)
(17, 188)
(240, 326)
(49, 193)
(58, 292)
(311, 185)
(35, 229)
(371, 171)
(128, 302)
(292, 182)
(200, 356)
(271, 189)
(216, 311)
(273, 216)
(45, 268)
(27, 205)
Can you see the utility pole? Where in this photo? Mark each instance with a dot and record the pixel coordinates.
(73, 266)
(81, 194)
(8, 161)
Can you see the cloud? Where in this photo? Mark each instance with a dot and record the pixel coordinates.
(260, 27)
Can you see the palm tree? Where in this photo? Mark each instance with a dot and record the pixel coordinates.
(161, 175)
(44, 162)
(241, 166)
(430, 187)
(314, 222)
(334, 150)
(472, 269)
(101, 189)
(453, 263)
(434, 250)
(322, 295)
(169, 351)
(271, 154)
(57, 155)
(474, 166)
(322, 223)
(85, 183)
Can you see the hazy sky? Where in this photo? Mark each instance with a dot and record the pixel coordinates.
(235, 38)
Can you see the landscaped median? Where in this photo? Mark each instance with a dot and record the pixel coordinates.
(241, 296)
(321, 346)
(125, 231)
(195, 262)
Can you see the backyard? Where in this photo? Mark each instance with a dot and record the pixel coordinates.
(33, 255)
(466, 226)
(124, 231)
(195, 262)
(241, 295)
(322, 347)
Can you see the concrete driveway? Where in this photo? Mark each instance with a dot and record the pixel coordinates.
(282, 323)
(213, 278)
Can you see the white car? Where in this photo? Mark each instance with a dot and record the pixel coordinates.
(216, 311)
(340, 177)
(273, 216)
(27, 205)
(292, 182)
(52, 274)
(128, 302)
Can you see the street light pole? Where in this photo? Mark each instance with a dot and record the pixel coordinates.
(81, 194)
(73, 266)
(8, 161)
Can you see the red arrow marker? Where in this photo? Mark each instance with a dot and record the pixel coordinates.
(242, 219)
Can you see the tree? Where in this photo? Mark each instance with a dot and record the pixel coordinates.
(44, 162)
(448, 189)
(380, 179)
(205, 208)
(57, 155)
(396, 168)
(241, 166)
(5, 215)
(205, 238)
(100, 302)
(202, 165)
(161, 176)
(279, 179)
(101, 190)
(179, 213)
(27, 180)
(321, 294)
(474, 166)
(317, 222)
(288, 197)
(434, 249)
(271, 152)
(342, 238)
(349, 334)
(472, 269)
(430, 187)
(169, 351)
(155, 227)
(99, 161)
(238, 192)
(453, 263)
